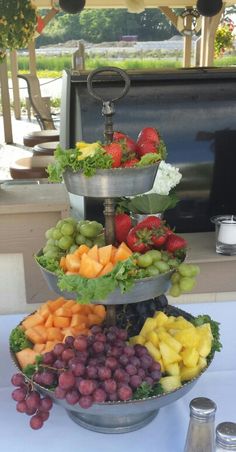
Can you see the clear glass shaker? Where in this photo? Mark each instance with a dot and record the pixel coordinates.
(226, 436)
(201, 430)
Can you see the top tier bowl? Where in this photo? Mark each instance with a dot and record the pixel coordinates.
(112, 183)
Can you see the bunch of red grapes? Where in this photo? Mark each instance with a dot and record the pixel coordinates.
(30, 401)
(97, 368)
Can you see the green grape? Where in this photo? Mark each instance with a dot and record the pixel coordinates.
(90, 230)
(52, 254)
(50, 242)
(99, 240)
(162, 266)
(155, 254)
(80, 239)
(65, 242)
(152, 270)
(80, 223)
(89, 243)
(165, 256)
(67, 229)
(175, 290)
(173, 263)
(48, 233)
(195, 270)
(59, 224)
(56, 234)
(175, 278)
(186, 284)
(70, 220)
(145, 260)
(185, 269)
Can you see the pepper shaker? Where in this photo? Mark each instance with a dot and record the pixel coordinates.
(226, 436)
(201, 430)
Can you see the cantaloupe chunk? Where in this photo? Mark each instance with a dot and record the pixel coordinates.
(61, 322)
(93, 253)
(104, 254)
(122, 253)
(88, 267)
(32, 320)
(113, 253)
(106, 269)
(76, 308)
(99, 310)
(78, 329)
(55, 334)
(49, 346)
(72, 262)
(86, 309)
(77, 319)
(39, 348)
(44, 311)
(25, 357)
(63, 312)
(49, 321)
(93, 319)
(83, 249)
(40, 329)
(55, 304)
(69, 304)
(34, 336)
(62, 263)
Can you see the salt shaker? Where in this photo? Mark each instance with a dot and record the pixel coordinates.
(201, 429)
(226, 436)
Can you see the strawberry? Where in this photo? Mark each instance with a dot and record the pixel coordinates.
(139, 240)
(123, 224)
(149, 134)
(115, 151)
(147, 147)
(130, 144)
(130, 163)
(176, 245)
(149, 222)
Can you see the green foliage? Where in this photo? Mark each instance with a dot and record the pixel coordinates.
(223, 39)
(18, 340)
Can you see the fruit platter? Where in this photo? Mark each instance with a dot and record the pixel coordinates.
(109, 349)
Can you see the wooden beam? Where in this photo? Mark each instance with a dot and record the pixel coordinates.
(6, 107)
(187, 42)
(169, 14)
(32, 58)
(15, 84)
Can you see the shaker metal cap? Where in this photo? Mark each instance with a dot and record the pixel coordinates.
(202, 407)
(226, 434)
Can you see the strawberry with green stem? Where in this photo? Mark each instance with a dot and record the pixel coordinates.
(139, 240)
(115, 151)
(123, 224)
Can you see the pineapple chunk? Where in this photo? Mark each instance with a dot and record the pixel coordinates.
(152, 336)
(180, 324)
(188, 337)
(168, 354)
(172, 369)
(205, 339)
(154, 352)
(187, 373)
(149, 325)
(202, 362)
(161, 318)
(171, 341)
(170, 383)
(137, 340)
(190, 356)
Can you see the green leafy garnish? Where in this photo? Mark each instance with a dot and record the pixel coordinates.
(49, 264)
(95, 289)
(216, 344)
(151, 203)
(145, 390)
(18, 340)
(68, 160)
(30, 369)
(149, 159)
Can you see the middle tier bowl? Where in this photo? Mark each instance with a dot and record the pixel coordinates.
(150, 287)
(112, 183)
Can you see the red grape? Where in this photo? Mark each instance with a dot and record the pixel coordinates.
(111, 362)
(135, 381)
(91, 371)
(18, 380)
(46, 404)
(72, 396)
(79, 370)
(21, 406)
(125, 392)
(49, 358)
(86, 387)
(66, 380)
(98, 347)
(85, 401)
(36, 422)
(69, 340)
(19, 394)
(58, 349)
(44, 415)
(81, 343)
(110, 385)
(99, 395)
(67, 354)
(130, 369)
(129, 350)
(104, 373)
(59, 393)
(33, 400)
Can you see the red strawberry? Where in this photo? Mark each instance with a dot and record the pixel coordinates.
(139, 240)
(149, 134)
(176, 244)
(115, 150)
(130, 163)
(123, 224)
(147, 147)
(130, 144)
(149, 222)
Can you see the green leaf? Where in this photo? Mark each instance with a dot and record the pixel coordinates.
(152, 203)
(149, 159)
(145, 390)
(49, 264)
(18, 340)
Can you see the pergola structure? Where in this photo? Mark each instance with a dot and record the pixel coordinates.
(184, 24)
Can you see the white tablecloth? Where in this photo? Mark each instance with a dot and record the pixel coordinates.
(166, 433)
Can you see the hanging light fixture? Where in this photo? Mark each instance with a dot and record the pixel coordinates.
(209, 8)
(72, 6)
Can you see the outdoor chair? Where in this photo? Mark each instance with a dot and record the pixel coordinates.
(40, 105)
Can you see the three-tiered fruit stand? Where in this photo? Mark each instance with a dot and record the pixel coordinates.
(117, 417)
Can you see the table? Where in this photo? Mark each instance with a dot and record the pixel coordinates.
(166, 433)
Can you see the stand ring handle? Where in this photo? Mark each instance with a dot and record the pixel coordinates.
(116, 70)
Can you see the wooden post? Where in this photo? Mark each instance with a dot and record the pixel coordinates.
(6, 107)
(15, 84)
(32, 58)
(187, 42)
